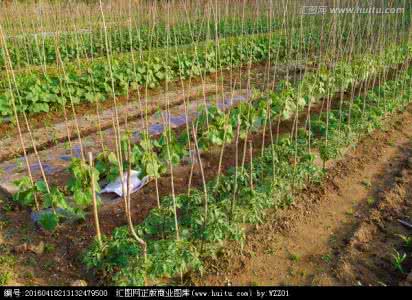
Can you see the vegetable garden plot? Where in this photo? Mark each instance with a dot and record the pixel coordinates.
(59, 160)
(272, 95)
(89, 81)
(56, 159)
(93, 43)
(251, 205)
(87, 124)
(46, 137)
(212, 112)
(94, 81)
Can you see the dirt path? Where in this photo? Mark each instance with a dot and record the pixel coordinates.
(343, 232)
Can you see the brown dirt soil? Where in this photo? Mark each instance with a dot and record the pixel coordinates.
(342, 233)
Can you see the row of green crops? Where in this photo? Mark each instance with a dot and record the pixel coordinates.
(39, 93)
(151, 156)
(121, 261)
(37, 49)
(91, 80)
(40, 49)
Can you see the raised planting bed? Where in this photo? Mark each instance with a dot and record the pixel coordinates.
(282, 170)
(56, 159)
(89, 123)
(284, 103)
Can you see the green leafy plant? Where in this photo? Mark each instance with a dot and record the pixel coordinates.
(80, 183)
(398, 260)
(277, 173)
(407, 240)
(49, 220)
(107, 165)
(5, 277)
(145, 159)
(26, 192)
(169, 145)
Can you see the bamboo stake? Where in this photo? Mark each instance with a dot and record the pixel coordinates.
(95, 212)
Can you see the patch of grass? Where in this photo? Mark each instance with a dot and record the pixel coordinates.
(391, 143)
(371, 201)
(31, 261)
(366, 183)
(5, 277)
(349, 212)
(333, 239)
(294, 257)
(28, 275)
(7, 260)
(49, 248)
(270, 251)
(327, 258)
(49, 265)
(66, 146)
(398, 260)
(6, 206)
(407, 240)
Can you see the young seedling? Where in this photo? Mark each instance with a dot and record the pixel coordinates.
(370, 201)
(398, 260)
(49, 248)
(367, 183)
(294, 257)
(407, 240)
(327, 258)
(349, 212)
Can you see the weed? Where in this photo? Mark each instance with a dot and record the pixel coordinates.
(333, 239)
(7, 260)
(407, 240)
(28, 275)
(49, 265)
(371, 201)
(31, 261)
(349, 212)
(270, 251)
(7, 207)
(5, 277)
(398, 260)
(294, 257)
(327, 258)
(3, 224)
(49, 248)
(366, 183)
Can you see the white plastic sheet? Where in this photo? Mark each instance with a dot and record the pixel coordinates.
(135, 184)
